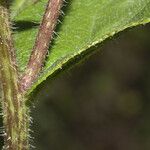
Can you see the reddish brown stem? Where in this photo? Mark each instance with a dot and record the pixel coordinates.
(42, 43)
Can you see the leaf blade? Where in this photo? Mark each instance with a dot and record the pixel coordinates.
(87, 23)
(19, 5)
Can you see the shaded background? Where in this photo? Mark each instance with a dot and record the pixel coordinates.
(101, 104)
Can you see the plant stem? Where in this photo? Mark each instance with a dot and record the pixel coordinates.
(41, 46)
(15, 120)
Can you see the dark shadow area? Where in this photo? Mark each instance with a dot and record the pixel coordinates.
(24, 25)
(101, 104)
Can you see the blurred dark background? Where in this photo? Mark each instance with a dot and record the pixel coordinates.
(100, 104)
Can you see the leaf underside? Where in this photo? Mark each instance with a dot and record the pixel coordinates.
(85, 24)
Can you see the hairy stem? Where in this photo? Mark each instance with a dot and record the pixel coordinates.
(42, 43)
(15, 120)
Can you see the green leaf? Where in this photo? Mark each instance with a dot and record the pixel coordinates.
(19, 5)
(85, 24)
